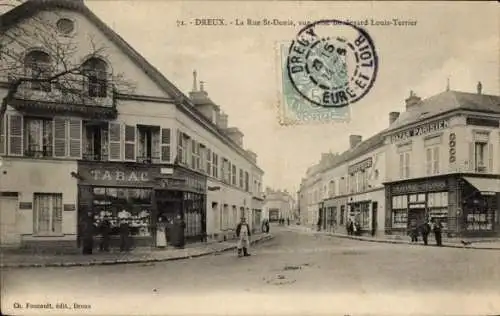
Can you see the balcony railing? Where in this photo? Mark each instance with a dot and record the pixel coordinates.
(91, 156)
(148, 159)
(36, 151)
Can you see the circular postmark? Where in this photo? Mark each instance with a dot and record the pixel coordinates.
(332, 63)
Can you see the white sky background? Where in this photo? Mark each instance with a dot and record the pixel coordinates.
(238, 64)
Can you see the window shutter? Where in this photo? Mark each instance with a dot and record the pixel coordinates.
(436, 160)
(490, 158)
(129, 147)
(75, 138)
(15, 135)
(165, 144)
(115, 141)
(472, 160)
(155, 141)
(209, 161)
(2, 135)
(60, 137)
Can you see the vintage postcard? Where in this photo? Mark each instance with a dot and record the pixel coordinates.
(249, 157)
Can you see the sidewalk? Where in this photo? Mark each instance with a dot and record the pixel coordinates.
(483, 243)
(140, 255)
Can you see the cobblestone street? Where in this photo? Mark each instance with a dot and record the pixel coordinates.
(296, 272)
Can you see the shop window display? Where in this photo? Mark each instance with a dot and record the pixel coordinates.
(400, 211)
(480, 215)
(108, 202)
(437, 204)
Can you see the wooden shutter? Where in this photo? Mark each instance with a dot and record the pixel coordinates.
(490, 158)
(472, 158)
(15, 135)
(75, 138)
(60, 137)
(2, 135)
(115, 141)
(129, 147)
(155, 141)
(209, 161)
(165, 144)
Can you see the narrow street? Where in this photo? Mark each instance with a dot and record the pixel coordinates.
(295, 273)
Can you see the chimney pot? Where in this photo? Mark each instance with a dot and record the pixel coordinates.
(393, 116)
(412, 100)
(479, 87)
(354, 140)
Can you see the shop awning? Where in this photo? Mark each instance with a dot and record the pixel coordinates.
(484, 185)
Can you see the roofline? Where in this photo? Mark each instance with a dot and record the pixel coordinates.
(387, 132)
(29, 8)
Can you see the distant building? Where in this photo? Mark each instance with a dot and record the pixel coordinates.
(279, 204)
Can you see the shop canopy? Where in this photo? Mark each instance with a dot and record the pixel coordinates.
(484, 184)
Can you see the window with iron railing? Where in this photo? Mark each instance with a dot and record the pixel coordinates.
(38, 137)
(95, 141)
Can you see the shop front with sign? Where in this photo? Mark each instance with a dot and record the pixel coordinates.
(465, 204)
(107, 188)
(183, 193)
(420, 199)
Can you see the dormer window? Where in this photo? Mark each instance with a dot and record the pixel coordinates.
(37, 68)
(95, 70)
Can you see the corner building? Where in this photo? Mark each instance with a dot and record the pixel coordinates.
(445, 153)
(151, 150)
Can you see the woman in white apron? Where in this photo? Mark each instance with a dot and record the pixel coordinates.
(161, 235)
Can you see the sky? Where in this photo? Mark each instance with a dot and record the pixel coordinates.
(459, 41)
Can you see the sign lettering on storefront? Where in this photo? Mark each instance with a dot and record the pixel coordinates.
(189, 184)
(419, 187)
(120, 176)
(420, 130)
(362, 165)
(110, 174)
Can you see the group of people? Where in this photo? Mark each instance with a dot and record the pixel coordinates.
(282, 221)
(174, 229)
(353, 228)
(171, 230)
(425, 229)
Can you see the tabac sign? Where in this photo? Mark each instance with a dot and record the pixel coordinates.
(420, 130)
(116, 174)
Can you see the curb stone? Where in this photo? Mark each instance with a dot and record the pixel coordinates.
(95, 262)
(400, 242)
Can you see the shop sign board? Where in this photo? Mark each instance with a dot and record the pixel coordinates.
(362, 165)
(116, 174)
(427, 186)
(420, 130)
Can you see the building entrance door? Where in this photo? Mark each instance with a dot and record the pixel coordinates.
(374, 218)
(416, 214)
(9, 236)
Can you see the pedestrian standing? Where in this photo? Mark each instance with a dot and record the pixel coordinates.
(105, 228)
(425, 229)
(437, 232)
(178, 231)
(161, 235)
(88, 233)
(243, 233)
(413, 227)
(124, 220)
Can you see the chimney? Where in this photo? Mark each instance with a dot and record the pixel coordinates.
(412, 101)
(253, 156)
(393, 116)
(222, 120)
(235, 134)
(354, 140)
(479, 87)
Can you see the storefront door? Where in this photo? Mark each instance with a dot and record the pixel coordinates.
(417, 214)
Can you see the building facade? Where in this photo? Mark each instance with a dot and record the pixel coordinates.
(447, 152)
(439, 159)
(150, 149)
(279, 204)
